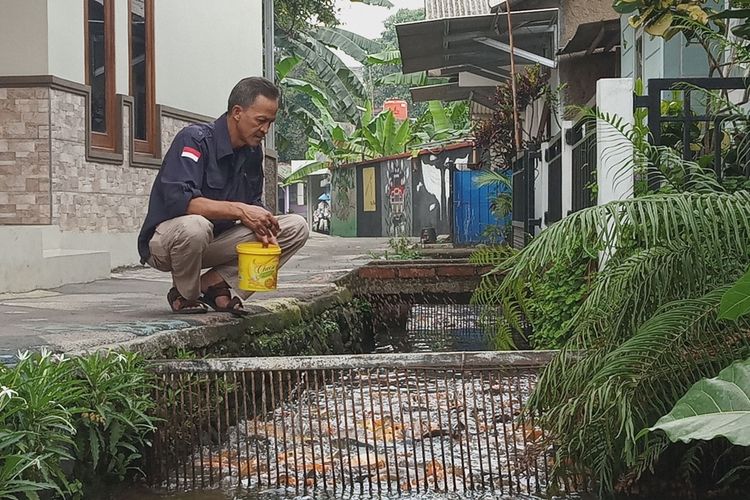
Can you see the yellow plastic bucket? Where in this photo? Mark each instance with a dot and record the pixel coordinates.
(258, 266)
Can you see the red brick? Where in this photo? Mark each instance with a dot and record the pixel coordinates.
(377, 272)
(455, 270)
(416, 272)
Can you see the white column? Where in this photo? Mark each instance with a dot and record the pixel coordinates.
(614, 153)
(566, 170)
(541, 201)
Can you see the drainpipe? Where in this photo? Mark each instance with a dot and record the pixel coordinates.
(269, 70)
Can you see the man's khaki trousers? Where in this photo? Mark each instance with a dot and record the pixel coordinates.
(185, 245)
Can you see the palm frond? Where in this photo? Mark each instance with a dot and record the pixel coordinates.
(630, 387)
(492, 178)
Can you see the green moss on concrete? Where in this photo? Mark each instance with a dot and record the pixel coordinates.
(338, 330)
(336, 324)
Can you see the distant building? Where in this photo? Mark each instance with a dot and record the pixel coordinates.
(398, 107)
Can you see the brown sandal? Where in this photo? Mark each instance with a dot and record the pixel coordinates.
(222, 290)
(188, 306)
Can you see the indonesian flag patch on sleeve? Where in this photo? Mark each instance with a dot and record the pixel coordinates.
(191, 153)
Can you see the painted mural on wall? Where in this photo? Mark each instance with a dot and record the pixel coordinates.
(397, 206)
(344, 202)
(432, 189)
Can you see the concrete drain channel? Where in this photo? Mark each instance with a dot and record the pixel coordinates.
(402, 420)
(449, 422)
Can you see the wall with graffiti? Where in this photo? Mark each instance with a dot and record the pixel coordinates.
(433, 194)
(397, 200)
(344, 202)
(397, 196)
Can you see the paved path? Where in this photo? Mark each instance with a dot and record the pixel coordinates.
(132, 303)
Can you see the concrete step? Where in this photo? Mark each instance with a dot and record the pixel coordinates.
(63, 265)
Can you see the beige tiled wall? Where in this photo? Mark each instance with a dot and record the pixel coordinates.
(24, 156)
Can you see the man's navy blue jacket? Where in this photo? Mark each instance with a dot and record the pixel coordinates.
(201, 162)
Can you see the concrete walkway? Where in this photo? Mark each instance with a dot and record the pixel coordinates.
(132, 304)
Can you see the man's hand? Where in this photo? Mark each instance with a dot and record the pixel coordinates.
(260, 220)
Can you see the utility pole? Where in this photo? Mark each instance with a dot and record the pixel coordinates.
(516, 125)
(269, 68)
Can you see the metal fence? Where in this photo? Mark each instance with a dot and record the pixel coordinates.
(683, 113)
(450, 422)
(524, 176)
(582, 138)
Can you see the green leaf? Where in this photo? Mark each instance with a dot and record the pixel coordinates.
(320, 59)
(116, 432)
(660, 26)
(403, 134)
(713, 407)
(94, 445)
(342, 40)
(492, 178)
(732, 14)
(439, 118)
(736, 301)
(307, 88)
(299, 175)
(411, 79)
(385, 57)
(286, 65)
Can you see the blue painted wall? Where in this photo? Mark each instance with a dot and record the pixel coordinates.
(471, 208)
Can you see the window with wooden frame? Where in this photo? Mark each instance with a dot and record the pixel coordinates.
(142, 75)
(100, 71)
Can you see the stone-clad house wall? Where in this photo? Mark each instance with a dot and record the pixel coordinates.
(89, 195)
(25, 196)
(48, 176)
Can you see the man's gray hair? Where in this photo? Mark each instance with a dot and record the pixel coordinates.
(248, 89)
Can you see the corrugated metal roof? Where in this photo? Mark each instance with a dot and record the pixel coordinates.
(440, 9)
(442, 43)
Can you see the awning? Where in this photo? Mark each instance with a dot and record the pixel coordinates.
(596, 36)
(452, 92)
(476, 41)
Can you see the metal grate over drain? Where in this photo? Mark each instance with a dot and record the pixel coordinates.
(418, 422)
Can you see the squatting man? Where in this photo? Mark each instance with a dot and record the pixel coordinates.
(207, 198)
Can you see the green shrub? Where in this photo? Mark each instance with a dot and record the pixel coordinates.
(113, 423)
(554, 299)
(67, 421)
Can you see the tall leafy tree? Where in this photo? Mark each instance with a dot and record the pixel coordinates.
(306, 33)
(377, 68)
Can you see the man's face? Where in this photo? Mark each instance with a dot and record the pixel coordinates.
(253, 122)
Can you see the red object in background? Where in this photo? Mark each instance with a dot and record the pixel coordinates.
(398, 107)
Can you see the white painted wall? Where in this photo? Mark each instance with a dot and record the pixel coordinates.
(122, 47)
(540, 187)
(203, 49)
(23, 37)
(66, 39)
(614, 96)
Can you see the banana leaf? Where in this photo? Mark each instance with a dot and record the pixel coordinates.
(334, 37)
(285, 66)
(392, 56)
(439, 118)
(299, 175)
(713, 407)
(736, 301)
